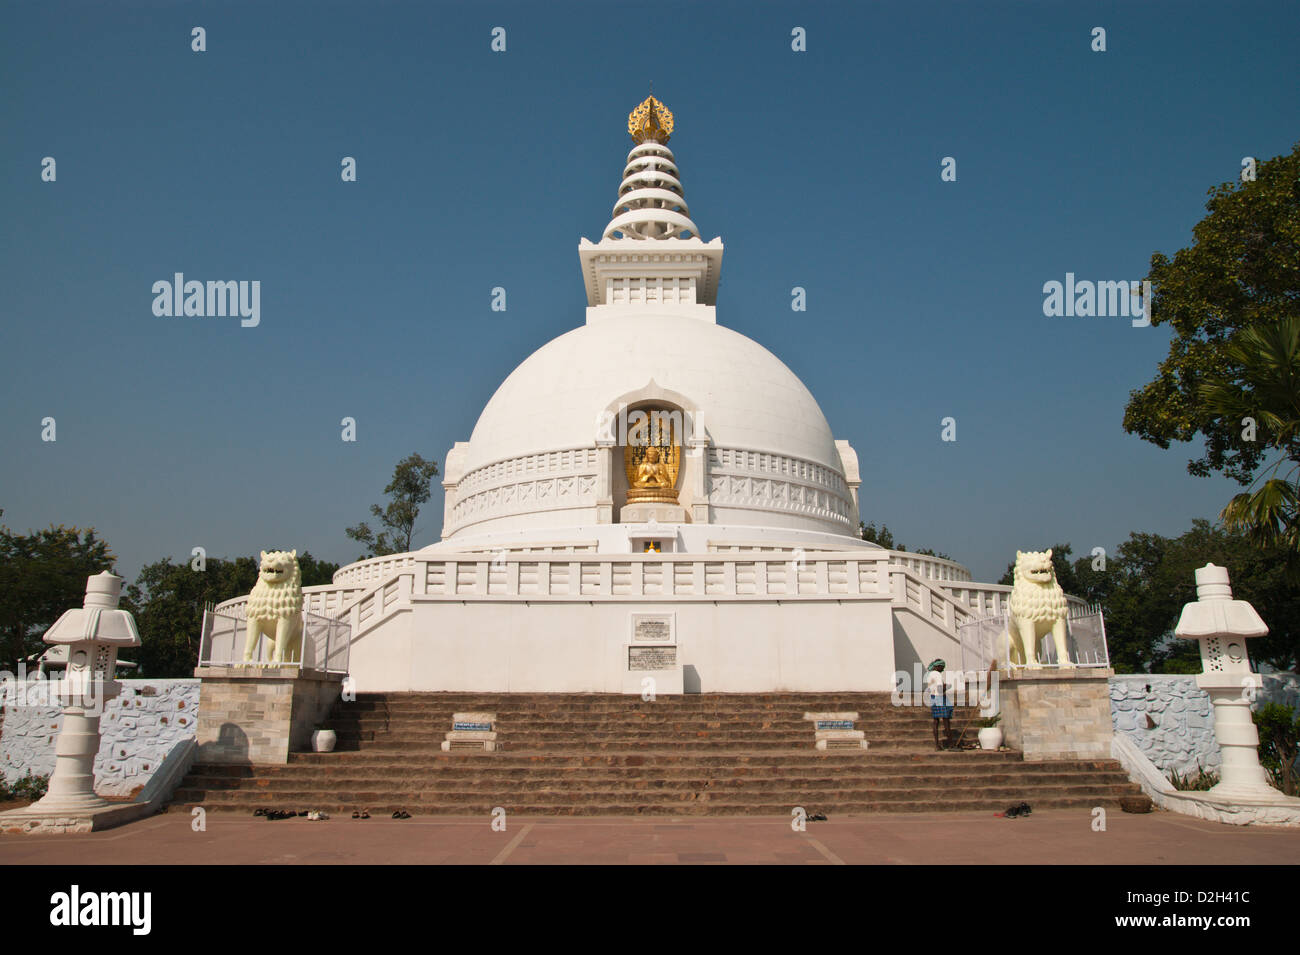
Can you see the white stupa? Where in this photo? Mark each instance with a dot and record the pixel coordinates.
(570, 545)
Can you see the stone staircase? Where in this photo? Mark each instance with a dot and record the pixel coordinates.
(596, 754)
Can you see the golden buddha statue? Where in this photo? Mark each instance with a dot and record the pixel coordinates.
(652, 472)
(652, 468)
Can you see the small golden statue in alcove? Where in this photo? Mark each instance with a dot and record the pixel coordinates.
(652, 459)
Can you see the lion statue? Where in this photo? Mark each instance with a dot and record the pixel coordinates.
(1037, 607)
(275, 608)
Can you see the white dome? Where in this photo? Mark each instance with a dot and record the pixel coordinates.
(750, 400)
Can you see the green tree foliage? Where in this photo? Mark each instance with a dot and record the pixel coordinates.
(883, 537)
(42, 574)
(1279, 745)
(1262, 394)
(409, 488)
(1241, 271)
(168, 599)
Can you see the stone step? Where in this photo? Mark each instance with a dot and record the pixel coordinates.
(663, 705)
(792, 720)
(552, 741)
(423, 748)
(602, 783)
(592, 754)
(812, 763)
(603, 702)
(622, 802)
(700, 755)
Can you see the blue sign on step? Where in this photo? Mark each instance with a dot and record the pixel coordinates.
(834, 724)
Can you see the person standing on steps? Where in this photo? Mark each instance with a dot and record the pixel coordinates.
(939, 697)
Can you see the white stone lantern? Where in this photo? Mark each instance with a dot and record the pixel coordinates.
(1222, 626)
(92, 634)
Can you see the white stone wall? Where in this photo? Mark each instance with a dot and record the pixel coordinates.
(138, 729)
(1183, 735)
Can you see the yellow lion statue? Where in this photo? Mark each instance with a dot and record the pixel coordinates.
(275, 608)
(1037, 607)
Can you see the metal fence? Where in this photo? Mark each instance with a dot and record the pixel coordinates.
(326, 643)
(985, 640)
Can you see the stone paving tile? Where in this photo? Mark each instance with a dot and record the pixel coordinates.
(1063, 836)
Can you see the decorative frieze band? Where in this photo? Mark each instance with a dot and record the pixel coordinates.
(546, 464)
(777, 482)
(525, 497)
(738, 460)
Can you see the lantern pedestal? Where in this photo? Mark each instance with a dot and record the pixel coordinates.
(72, 784)
(93, 633)
(1221, 626)
(1241, 774)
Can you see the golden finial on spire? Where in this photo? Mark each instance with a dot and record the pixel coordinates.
(650, 122)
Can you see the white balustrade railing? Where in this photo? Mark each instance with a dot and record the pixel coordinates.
(987, 600)
(636, 576)
(373, 570)
(932, 568)
(372, 591)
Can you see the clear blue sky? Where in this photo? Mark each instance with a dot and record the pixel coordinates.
(477, 169)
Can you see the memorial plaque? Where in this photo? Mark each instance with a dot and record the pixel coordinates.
(648, 629)
(834, 724)
(651, 658)
(472, 727)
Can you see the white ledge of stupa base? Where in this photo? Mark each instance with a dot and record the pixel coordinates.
(658, 513)
(473, 718)
(1244, 809)
(850, 716)
(671, 246)
(481, 736)
(1256, 808)
(644, 310)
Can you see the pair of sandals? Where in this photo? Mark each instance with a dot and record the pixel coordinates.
(360, 813)
(276, 813)
(401, 814)
(1015, 811)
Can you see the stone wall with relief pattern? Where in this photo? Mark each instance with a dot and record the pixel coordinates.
(138, 729)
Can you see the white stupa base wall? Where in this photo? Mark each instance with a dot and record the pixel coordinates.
(581, 647)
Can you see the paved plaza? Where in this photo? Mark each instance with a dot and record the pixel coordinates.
(1050, 837)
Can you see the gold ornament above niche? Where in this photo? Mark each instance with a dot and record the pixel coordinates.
(650, 122)
(652, 457)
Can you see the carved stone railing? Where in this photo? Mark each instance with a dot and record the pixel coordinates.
(935, 568)
(367, 572)
(990, 600)
(327, 600)
(558, 577)
(928, 600)
(640, 576)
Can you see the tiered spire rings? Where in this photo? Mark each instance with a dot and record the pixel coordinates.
(651, 204)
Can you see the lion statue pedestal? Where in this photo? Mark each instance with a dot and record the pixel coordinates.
(275, 609)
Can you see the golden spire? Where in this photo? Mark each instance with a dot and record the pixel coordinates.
(650, 122)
